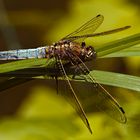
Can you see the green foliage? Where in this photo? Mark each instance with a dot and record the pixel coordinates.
(128, 46)
(117, 79)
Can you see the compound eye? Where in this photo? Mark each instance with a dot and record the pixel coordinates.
(88, 48)
(55, 44)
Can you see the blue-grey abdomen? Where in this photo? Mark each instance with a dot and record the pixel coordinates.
(23, 54)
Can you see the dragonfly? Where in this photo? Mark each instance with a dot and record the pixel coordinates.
(72, 50)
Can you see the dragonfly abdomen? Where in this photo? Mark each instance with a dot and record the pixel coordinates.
(23, 54)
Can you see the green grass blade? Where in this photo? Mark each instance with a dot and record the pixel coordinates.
(132, 51)
(117, 79)
(119, 45)
(27, 72)
(12, 82)
(103, 77)
(22, 64)
(113, 79)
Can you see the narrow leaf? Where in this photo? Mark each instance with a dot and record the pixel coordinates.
(118, 45)
(11, 82)
(132, 51)
(117, 79)
(22, 64)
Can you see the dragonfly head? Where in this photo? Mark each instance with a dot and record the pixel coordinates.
(91, 53)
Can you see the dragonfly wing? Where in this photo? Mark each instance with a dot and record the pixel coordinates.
(70, 94)
(106, 102)
(88, 28)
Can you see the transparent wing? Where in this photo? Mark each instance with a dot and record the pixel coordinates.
(88, 28)
(105, 101)
(70, 94)
(99, 34)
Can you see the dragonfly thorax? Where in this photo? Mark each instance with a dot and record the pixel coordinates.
(67, 50)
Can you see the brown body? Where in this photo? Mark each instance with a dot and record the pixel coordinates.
(67, 49)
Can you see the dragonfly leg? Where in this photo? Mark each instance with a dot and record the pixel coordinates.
(56, 81)
(79, 77)
(56, 75)
(79, 71)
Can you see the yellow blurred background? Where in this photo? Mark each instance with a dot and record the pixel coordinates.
(33, 111)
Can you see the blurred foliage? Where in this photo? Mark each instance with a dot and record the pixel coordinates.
(43, 115)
